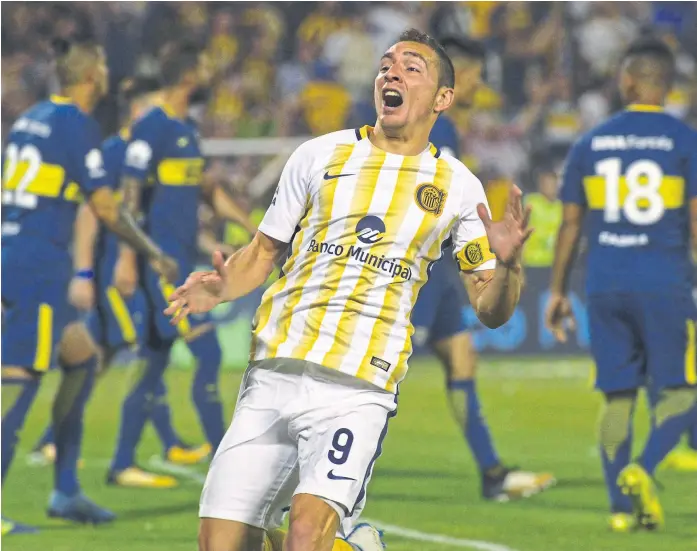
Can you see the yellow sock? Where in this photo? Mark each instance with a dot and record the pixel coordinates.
(274, 542)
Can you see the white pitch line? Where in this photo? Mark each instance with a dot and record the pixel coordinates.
(407, 533)
(157, 462)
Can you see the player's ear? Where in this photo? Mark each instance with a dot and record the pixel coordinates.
(444, 99)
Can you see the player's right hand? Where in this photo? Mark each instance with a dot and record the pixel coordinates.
(201, 292)
(126, 274)
(167, 267)
(559, 316)
(81, 293)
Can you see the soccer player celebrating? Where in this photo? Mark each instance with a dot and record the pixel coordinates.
(365, 212)
(438, 319)
(52, 145)
(636, 174)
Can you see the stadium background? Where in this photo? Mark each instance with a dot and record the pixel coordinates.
(288, 71)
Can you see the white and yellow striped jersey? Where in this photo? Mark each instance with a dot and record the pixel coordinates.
(364, 227)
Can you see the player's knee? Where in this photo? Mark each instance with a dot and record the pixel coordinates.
(313, 524)
(458, 355)
(76, 345)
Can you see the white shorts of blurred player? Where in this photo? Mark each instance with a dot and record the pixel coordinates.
(298, 428)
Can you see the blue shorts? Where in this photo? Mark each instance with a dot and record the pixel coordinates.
(439, 312)
(35, 313)
(117, 321)
(643, 340)
(158, 329)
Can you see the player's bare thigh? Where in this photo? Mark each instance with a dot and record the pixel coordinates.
(77, 345)
(458, 355)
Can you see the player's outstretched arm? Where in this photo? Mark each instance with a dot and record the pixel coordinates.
(119, 220)
(242, 273)
(495, 293)
(558, 314)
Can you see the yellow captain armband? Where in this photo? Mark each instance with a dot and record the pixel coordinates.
(474, 254)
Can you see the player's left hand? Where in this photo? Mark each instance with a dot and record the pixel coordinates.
(508, 235)
(201, 292)
(81, 293)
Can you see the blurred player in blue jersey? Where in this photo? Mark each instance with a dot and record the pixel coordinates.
(439, 321)
(162, 176)
(117, 319)
(52, 158)
(636, 177)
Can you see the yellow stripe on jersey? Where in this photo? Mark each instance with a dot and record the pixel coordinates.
(402, 198)
(691, 355)
(360, 203)
(643, 108)
(474, 254)
(442, 180)
(325, 204)
(47, 182)
(122, 315)
(671, 190)
(364, 131)
(44, 338)
(180, 172)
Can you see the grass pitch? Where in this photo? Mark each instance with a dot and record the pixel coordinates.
(543, 417)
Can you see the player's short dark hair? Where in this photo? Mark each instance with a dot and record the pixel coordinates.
(464, 46)
(654, 60)
(72, 59)
(446, 71)
(176, 59)
(132, 88)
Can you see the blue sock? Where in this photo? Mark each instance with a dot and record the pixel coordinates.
(205, 392)
(674, 413)
(17, 398)
(137, 406)
(465, 402)
(161, 417)
(46, 438)
(76, 386)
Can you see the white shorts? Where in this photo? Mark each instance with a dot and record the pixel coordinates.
(298, 428)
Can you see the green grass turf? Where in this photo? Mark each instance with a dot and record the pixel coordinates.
(543, 417)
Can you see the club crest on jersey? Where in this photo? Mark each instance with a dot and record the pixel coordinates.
(430, 199)
(473, 253)
(370, 230)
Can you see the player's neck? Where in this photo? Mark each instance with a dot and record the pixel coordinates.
(177, 102)
(403, 143)
(80, 96)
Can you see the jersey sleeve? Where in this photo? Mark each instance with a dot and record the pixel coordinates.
(143, 149)
(470, 242)
(290, 201)
(572, 180)
(88, 169)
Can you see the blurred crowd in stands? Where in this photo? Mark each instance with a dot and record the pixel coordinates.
(301, 68)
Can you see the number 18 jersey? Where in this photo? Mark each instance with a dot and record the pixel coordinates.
(635, 173)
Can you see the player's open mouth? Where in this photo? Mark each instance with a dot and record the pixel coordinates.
(391, 98)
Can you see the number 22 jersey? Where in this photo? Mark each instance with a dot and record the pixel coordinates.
(635, 174)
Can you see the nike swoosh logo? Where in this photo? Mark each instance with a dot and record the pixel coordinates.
(328, 176)
(332, 476)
